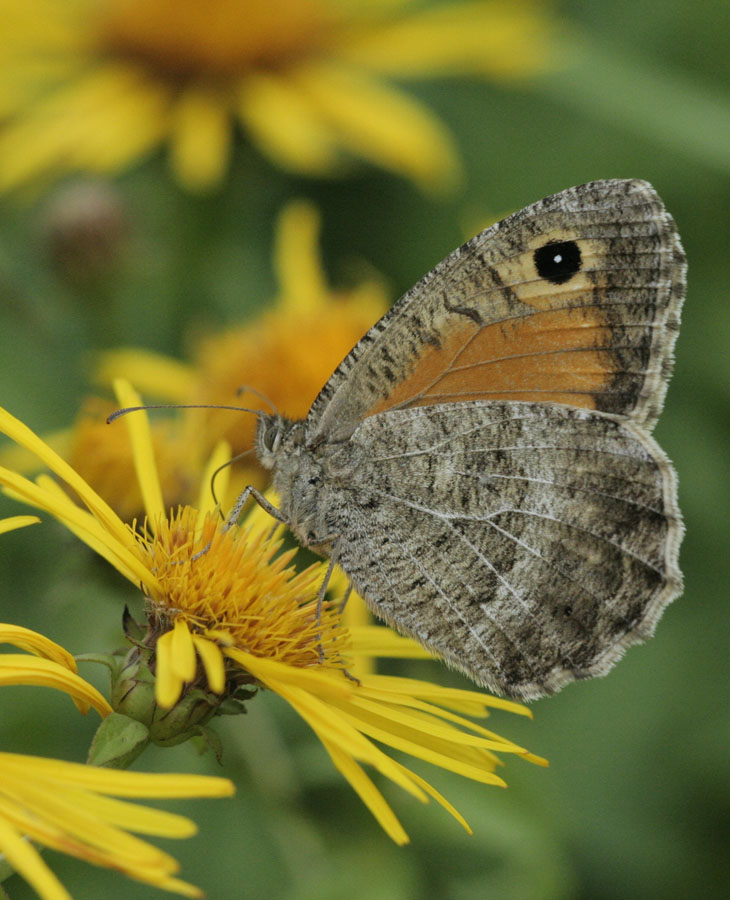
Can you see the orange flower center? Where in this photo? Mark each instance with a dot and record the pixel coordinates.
(216, 38)
(240, 587)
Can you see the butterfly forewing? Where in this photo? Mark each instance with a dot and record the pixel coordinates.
(572, 300)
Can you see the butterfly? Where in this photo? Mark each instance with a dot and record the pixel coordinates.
(481, 463)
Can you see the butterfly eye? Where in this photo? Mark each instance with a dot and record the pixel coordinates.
(558, 261)
(271, 437)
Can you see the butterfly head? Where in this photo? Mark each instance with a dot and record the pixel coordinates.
(276, 436)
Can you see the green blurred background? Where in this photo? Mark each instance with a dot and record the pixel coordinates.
(636, 801)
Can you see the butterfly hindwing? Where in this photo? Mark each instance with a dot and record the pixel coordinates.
(528, 544)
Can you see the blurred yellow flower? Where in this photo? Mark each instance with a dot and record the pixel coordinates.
(49, 665)
(226, 615)
(69, 807)
(286, 353)
(97, 85)
(103, 457)
(65, 806)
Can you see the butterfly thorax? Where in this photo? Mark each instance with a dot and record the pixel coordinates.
(302, 477)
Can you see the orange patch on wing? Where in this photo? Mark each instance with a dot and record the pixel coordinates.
(554, 355)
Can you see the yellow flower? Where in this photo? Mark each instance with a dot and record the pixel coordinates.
(286, 353)
(97, 85)
(50, 666)
(69, 807)
(226, 614)
(66, 806)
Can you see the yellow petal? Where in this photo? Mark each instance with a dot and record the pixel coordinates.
(200, 138)
(36, 643)
(18, 669)
(356, 614)
(21, 434)
(14, 522)
(428, 726)
(88, 530)
(331, 726)
(152, 373)
(322, 682)
(26, 860)
(380, 123)
(429, 710)
(101, 120)
(217, 467)
(212, 660)
(48, 496)
(286, 126)
(375, 640)
(452, 758)
(168, 684)
(133, 817)
(65, 812)
(367, 792)
(474, 703)
(495, 38)
(182, 651)
(302, 282)
(20, 460)
(441, 800)
(127, 121)
(138, 426)
(119, 783)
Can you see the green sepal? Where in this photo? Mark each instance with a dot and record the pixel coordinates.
(118, 741)
(133, 630)
(208, 739)
(113, 661)
(236, 705)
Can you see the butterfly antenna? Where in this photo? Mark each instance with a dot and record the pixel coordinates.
(118, 413)
(247, 389)
(230, 462)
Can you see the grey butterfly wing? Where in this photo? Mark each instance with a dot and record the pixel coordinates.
(527, 544)
(572, 300)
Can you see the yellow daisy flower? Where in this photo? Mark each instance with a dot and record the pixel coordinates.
(96, 85)
(66, 806)
(227, 614)
(49, 665)
(286, 353)
(69, 807)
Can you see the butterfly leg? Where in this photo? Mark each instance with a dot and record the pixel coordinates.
(320, 602)
(346, 597)
(320, 598)
(241, 501)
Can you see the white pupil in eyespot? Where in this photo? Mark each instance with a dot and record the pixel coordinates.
(557, 259)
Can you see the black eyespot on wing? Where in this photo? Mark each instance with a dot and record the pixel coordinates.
(558, 261)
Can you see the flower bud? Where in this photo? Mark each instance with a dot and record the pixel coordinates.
(86, 229)
(133, 695)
